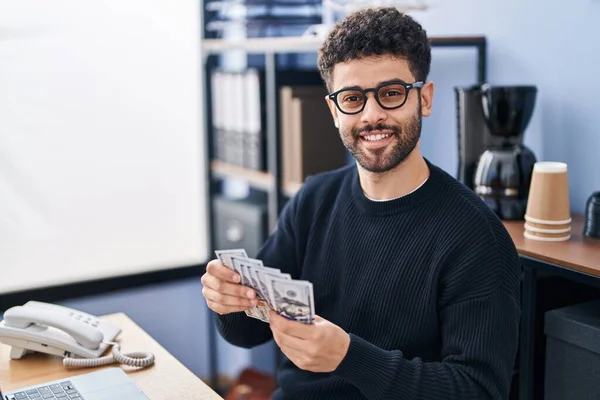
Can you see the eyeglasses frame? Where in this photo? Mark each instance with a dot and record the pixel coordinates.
(375, 90)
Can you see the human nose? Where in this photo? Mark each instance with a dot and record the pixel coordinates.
(372, 113)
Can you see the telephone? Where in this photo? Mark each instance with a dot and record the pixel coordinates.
(79, 337)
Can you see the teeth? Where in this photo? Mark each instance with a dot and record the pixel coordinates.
(375, 137)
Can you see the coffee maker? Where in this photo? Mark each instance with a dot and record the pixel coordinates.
(492, 158)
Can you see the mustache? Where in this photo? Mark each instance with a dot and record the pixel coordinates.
(379, 127)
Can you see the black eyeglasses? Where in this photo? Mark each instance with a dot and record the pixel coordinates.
(389, 95)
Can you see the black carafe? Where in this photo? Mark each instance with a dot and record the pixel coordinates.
(474, 136)
(504, 169)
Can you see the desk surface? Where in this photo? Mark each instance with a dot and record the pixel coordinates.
(166, 379)
(580, 252)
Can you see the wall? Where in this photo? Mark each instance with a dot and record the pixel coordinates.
(550, 44)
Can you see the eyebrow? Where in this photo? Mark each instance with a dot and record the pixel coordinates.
(376, 85)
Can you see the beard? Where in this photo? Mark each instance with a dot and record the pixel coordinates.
(384, 159)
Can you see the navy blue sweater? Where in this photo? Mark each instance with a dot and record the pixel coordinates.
(426, 285)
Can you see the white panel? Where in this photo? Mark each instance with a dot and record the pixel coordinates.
(102, 161)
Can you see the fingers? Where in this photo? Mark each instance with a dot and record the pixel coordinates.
(218, 270)
(291, 328)
(222, 309)
(231, 289)
(294, 356)
(288, 342)
(222, 292)
(299, 357)
(228, 300)
(223, 283)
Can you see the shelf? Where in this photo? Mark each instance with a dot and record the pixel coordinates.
(263, 44)
(300, 44)
(257, 179)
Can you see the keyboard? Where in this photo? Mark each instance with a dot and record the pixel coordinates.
(60, 391)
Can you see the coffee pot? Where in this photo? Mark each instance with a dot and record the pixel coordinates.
(492, 158)
(503, 173)
(474, 136)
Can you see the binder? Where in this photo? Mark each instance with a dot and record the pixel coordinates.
(237, 113)
(217, 120)
(310, 141)
(254, 143)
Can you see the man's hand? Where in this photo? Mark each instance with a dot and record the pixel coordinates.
(318, 347)
(223, 292)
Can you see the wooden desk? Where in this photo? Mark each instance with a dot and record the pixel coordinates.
(166, 379)
(577, 259)
(581, 253)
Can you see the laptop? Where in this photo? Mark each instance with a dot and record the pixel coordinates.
(105, 384)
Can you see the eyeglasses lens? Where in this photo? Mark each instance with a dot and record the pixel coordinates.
(389, 96)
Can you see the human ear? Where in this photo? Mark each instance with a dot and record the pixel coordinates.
(427, 98)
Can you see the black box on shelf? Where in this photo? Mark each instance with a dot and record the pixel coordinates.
(573, 352)
(240, 223)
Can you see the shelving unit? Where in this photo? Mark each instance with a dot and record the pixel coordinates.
(270, 180)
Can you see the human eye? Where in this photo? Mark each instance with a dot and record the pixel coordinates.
(351, 97)
(393, 91)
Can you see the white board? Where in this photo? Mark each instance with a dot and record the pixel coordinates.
(102, 158)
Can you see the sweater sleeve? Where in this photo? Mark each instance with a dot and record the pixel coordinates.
(239, 329)
(476, 335)
(478, 312)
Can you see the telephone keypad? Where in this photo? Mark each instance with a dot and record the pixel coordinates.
(86, 319)
(62, 391)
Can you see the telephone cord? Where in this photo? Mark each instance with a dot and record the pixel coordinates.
(136, 359)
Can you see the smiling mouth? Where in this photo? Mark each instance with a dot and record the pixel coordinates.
(375, 136)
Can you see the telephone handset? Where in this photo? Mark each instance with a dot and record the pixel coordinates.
(81, 338)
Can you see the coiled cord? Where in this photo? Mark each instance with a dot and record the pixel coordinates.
(136, 359)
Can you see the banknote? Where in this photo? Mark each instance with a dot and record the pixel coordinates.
(262, 275)
(225, 256)
(244, 266)
(275, 290)
(293, 299)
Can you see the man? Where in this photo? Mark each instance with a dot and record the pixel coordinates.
(416, 282)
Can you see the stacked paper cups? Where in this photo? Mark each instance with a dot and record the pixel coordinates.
(548, 213)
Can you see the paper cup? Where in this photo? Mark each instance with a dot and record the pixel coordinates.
(548, 200)
(535, 230)
(551, 225)
(547, 237)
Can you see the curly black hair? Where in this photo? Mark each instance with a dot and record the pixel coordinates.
(376, 31)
